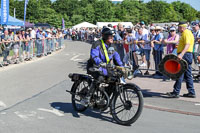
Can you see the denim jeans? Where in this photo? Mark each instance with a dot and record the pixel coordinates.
(5, 54)
(28, 47)
(31, 48)
(187, 76)
(48, 46)
(157, 59)
(39, 47)
(52, 45)
(147, 54)
(59, 42)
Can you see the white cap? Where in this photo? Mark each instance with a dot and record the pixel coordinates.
(48, 30)
(158, 28)
(152, 28)
(172, 28)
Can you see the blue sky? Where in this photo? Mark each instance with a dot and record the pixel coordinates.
(193, 3)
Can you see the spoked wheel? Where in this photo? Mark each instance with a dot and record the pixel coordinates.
(127, 106)
(79, 91)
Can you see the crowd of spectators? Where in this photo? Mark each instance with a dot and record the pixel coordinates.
(23, 45)
(137, 45)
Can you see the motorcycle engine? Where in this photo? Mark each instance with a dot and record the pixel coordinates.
(101, 103)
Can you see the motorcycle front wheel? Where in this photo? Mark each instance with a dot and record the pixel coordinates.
(127, 105)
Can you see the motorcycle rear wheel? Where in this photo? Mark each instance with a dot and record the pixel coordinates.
(79, 91)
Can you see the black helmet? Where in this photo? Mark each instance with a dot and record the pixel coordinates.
(107, 31)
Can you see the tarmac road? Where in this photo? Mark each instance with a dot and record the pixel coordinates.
(33, 100)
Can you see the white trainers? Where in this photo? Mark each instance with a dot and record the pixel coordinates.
(136, 72)
(143, 65)
(122, 81)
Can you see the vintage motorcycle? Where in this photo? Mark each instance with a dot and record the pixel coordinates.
(125, 100)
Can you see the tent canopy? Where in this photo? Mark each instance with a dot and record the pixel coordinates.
(85, 24)
(126, 24)
(13, 21)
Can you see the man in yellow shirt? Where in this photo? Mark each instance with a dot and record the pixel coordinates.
(184, 51)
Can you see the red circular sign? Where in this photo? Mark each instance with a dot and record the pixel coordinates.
(172, 66)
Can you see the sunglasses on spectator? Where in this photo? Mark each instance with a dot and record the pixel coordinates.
(152, 30)
(172, 30)
(157, 30)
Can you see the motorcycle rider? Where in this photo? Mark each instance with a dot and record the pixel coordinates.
(102, 54)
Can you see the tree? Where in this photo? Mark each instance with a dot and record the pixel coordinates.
(103, 11)
(66, 6)
(132, 9)
(198, 15)
(75, 19)
(185, 11)
(44, 3)
(76, 11)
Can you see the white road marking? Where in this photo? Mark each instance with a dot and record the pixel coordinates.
(26, 114)
(21, 115)
(3, 113)
(54, 111)
(40, 117)
(2, 104)
(32, 113)
(197, 104)
(75, 58)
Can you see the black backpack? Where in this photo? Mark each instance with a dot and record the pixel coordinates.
(91, 62)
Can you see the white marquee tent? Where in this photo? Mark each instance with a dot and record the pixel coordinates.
(126, 24)
(84, 24)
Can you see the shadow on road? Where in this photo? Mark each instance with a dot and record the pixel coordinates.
(82, 65)
(147, 93)
(67, 108)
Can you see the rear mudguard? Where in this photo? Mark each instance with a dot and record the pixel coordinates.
(79, 77)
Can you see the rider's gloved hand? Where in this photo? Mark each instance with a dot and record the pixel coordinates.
(110, 65)
(102, 64)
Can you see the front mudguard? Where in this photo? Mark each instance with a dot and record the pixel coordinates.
(132, 84)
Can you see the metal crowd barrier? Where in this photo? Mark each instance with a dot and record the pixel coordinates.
(152, 65)
(15, 52)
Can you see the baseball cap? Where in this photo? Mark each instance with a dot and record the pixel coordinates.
(158, 28)
(172, 28)
(195, 24)
(142, 23)
(152, 28)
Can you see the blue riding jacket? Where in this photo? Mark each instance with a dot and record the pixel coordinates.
(98, 56)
